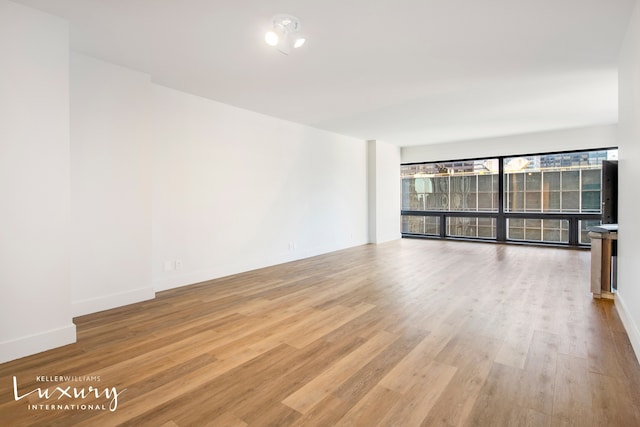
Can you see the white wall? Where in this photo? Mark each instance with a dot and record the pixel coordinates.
(628, 298)
(531, 143)
(384, 191)
(110, 185)
(34, 182)
(235, 190)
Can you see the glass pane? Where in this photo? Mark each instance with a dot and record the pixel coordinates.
(485, 183)
(591, 201)
(471, 227)
(514, 185)
(555, 231)
(570, 180)
(486, 202)
(515, 233)
(570, 201)
(516, 222)
(532, 223)
(532, 229)
(566, 182)
(551, 201)
(533, 201)
(486, 227)
(428, 225)
(537, 230)
(442, 185)
(517, 181)
(591, 190)
(552, 181)
(551, 191)
(533, 234)
(591, 179)
(469, 186)
(410, 199)
(533, 181)
(462, 190)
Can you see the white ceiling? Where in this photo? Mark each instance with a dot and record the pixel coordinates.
(408, 72)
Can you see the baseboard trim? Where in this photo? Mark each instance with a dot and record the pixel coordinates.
(106, 302)
(387, 238)
(205, 275)
(629, 325)
(37, 343)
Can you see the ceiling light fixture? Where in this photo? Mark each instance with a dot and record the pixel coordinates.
(285, 33)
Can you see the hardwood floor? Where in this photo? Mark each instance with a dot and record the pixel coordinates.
(407, 333)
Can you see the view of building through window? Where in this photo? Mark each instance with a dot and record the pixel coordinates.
(556, 188)
(466, 186)
(452, 186)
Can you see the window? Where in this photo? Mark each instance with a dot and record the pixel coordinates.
(470, 186)
(545, 198)
(471, 227)
(427, 225)
(538, 230)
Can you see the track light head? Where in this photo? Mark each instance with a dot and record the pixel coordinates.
(285, 33)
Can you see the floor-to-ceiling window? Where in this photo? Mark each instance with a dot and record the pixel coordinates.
(465, 190)
(545, 198)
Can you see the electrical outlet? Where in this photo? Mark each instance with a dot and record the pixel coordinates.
(178, 264)
(168, 266)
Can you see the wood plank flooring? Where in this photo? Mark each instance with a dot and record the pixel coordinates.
(406, 333)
